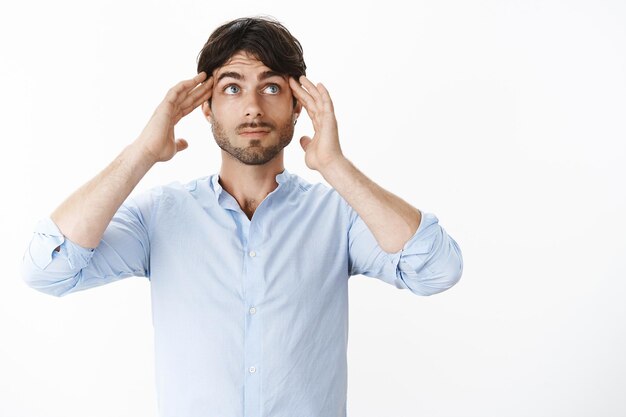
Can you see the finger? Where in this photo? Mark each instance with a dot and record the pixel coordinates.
(201, 76)
(310, 87)
(304, 142)
(199, 94)
(326, 100)
(181, 144)
(180, 90)
(197, 97)
(187, 85)
(204, 97)
(302, 95)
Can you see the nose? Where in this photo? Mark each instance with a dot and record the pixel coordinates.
(252, 106)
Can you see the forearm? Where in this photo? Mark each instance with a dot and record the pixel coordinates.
(84, 215)
(391, 220)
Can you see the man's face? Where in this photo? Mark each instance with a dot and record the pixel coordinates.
(252, 110)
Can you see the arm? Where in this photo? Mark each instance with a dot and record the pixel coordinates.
(98, 234)
(85, 214)
(392, 220)
(389, 238)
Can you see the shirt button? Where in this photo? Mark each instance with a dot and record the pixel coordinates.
(252, 253)
(252, 369)
(252, 310)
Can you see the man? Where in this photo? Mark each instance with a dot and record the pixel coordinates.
(249, 268)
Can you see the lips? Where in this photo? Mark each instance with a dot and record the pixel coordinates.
(254, 133)
(249, 131)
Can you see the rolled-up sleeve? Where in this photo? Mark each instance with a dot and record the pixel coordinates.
(123, 251)
(430, 261)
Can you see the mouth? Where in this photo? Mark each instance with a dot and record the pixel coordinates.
(253, 133)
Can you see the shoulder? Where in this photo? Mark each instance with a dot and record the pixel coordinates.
(301, 185)
(190, 186)
(318, 192)
(174, 192)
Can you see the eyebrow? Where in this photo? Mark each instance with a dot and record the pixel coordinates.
(237, 76)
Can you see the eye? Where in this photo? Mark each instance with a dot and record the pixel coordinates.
(229, 89)
(273, 88)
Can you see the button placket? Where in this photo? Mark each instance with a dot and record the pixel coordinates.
(253, 283)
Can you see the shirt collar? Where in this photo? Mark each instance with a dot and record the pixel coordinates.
(282, 179)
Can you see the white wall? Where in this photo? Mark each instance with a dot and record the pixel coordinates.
(504, 118)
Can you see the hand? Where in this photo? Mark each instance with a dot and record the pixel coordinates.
(324, 148)
(157, 138)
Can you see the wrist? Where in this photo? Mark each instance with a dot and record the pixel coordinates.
(336, 167)
(141, 154)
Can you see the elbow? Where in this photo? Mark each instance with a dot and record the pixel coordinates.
(45, 286)
(48, 271)
(441, 281)
(53, 291)
(46, 282)
(439, 275)
(453, 268)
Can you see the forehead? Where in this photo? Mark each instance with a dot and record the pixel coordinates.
(242, 62)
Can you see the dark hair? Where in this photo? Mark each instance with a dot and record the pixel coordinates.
(264, 38)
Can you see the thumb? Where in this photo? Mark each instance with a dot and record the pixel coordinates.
(304, 142)
(181, 144)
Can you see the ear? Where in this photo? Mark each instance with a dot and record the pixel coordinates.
(208, 113)
(296, 111)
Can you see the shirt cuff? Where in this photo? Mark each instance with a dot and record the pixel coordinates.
(47, 238)
(420, 243)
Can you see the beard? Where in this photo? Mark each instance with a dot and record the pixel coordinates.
(254, 153)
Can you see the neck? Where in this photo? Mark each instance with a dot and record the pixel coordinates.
(249, 184)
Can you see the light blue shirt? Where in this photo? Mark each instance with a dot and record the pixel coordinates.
(250, 316)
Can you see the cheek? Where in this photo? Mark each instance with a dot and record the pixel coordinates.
(222, 100)
(280, 110)
(221, 112)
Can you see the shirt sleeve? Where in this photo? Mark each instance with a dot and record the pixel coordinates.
(123, 251)
(430, 261)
